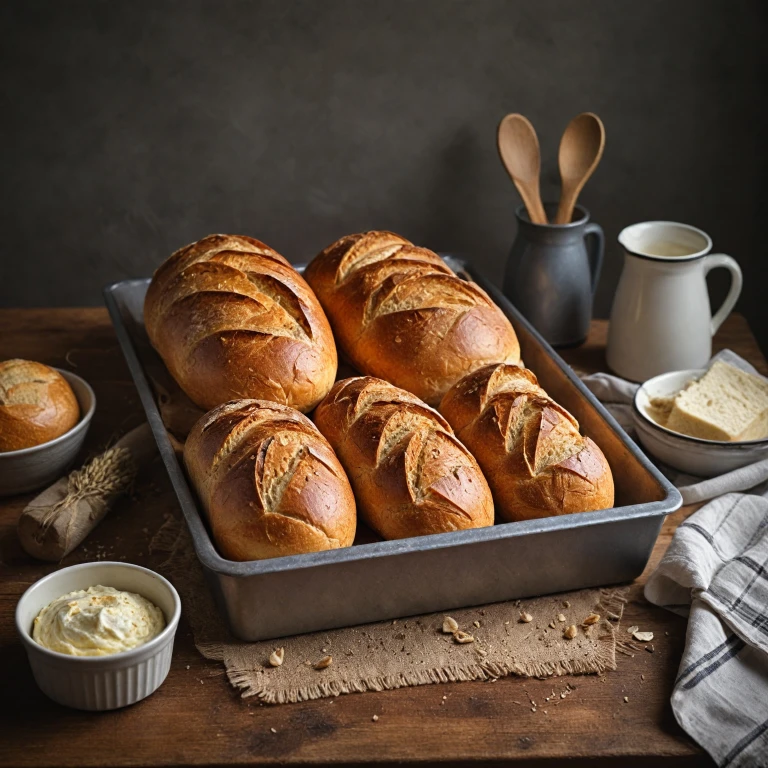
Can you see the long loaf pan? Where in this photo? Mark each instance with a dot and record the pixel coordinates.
(390, 579)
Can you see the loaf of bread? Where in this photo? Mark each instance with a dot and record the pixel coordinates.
(398, 312)
(529, 448)
(36, 405)
(269, 482)
(410, 474)
(232, 318)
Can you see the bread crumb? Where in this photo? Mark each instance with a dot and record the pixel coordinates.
(450, 625)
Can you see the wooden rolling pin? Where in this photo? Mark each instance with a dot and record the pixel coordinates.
(59, 519)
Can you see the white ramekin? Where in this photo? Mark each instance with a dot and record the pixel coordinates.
(100, 682)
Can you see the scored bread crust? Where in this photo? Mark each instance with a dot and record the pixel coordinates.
(232, 318)
(36, 404)
(269, 482)
(410, 474)
(399, 313)
(530, 449)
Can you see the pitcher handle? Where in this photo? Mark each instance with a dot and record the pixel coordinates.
(713, 261)
(596, 252)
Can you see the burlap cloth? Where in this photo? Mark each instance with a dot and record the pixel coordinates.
(393, 654)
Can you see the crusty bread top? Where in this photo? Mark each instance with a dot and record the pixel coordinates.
(232, 318)
(269, 482)
(508, 399)
(401, 314)
(411, 475)
(529, 447)
(36, 404)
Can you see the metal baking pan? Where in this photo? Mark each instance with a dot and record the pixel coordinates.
(390, 579)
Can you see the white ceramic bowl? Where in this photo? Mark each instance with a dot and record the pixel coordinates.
(705, 458)
(30, 468)
(100, 682)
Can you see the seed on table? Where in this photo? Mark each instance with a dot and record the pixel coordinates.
(324, 663)
(593, 618)
(525, 618)
(277, 657)
(463, 637)
(560, 617)
(570, 632)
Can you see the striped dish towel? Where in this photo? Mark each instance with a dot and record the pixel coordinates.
(716, 572)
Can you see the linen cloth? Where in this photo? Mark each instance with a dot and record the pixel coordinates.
(716, 573)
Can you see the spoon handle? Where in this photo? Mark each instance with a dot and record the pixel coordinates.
(534, 206)
(566, 205)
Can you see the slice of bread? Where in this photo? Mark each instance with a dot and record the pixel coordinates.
(725, 404)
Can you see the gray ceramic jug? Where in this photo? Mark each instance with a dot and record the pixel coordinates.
(552, 274)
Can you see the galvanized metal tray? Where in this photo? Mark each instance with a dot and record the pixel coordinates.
(390, 579)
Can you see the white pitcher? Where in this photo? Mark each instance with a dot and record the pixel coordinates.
(661, 318)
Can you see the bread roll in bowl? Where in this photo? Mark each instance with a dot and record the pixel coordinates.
(410, 474)
(399, 313)
(232, 318)
(269, 482)
(36, 405)
(529, 447)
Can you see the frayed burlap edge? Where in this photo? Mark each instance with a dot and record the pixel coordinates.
(611, 603)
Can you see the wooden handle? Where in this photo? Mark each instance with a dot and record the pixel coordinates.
(58, 520)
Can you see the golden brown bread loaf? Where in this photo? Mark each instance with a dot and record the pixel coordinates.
(398, 312)
(410, 474)
(530, 449)
(36, 405)
(232, 318)
(269, 482)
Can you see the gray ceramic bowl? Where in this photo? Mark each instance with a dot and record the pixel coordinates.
(31, 468)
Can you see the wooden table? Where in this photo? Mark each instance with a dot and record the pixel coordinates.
(198, 719)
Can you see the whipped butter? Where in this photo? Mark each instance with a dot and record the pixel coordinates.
(97, 621)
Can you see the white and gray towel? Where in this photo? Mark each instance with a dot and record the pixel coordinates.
(716, 572)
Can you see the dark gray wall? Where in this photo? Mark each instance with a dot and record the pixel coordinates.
(133, 128)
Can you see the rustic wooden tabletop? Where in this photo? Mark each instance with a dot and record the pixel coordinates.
(196, 718)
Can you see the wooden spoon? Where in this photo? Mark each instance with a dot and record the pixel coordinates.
(519, 151)
(580, 151)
